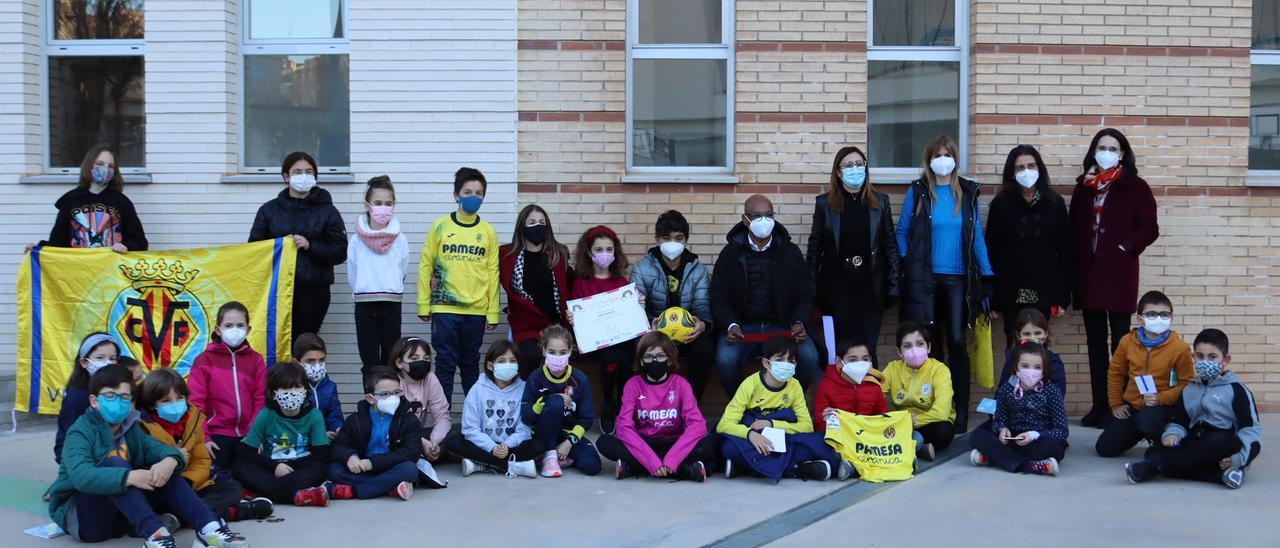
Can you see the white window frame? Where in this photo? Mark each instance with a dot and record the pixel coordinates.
(959, 53)
(1261, 177)
(721, 51)
(285, 46)
(89, 47)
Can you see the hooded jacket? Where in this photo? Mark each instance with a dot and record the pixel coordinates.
(229, 386)
(915, 243)
(89, 441)
(426, 398)
(491, 415)
(1170, 366)
(695, 285)
(925, 392)
(404, 438)
(325, 395)
(200, 462)
(312, 217)
(792, 285)
(826, 265)
(86, 219)
(836, 392)
(1222, 403)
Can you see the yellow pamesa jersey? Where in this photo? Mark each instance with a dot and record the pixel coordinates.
(925, 392)
(754, 396)
(879, 446)
(458, 269)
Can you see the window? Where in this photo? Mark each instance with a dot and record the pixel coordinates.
(295, 84)
(917, 77)
(96, 79)
(1264, 91)
(679, 86)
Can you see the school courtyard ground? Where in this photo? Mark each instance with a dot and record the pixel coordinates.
(949, 504)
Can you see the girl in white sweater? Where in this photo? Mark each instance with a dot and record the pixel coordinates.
(376, 260)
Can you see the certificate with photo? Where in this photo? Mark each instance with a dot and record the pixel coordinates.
(605, 319)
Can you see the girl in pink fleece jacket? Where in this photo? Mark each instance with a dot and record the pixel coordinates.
(660, 430)
(228, 383)
(411, 356)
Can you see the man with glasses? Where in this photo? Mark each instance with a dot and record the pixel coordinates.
(377, 450)
(761, 287)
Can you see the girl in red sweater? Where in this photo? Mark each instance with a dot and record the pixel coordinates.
(850, 384)
(600, 265)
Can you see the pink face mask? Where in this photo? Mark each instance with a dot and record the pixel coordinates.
(1030, 377)
(915, 356)
(557, 364)
(381, 214)
(602, 259)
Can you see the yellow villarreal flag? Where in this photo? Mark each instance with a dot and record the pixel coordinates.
(879, 446)
(160, 307)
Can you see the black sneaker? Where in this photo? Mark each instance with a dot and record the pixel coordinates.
(694, 471)
(816, 470)
(259, 508)
(1140, 471)
(608, 418)
(623, 471)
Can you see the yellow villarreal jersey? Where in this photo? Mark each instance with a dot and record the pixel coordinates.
(879, 446)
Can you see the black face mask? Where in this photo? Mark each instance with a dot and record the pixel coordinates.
(535, 234)
(654, 370)
(418, 369)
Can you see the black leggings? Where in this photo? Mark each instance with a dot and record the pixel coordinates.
(1197, 457)
(699, 357)
(308, 472)
(613, 449)
(950, 318)
(1122, 434)
(531, 449)
(1096, 325)
(377, 328)
(939, 434)
(615, 366)
(310, 304)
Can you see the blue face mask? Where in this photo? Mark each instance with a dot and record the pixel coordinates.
(853, 177)
(172, 411)
(114, 410)
(783, 371)
(470, 204)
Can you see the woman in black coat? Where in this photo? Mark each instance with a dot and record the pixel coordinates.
(1029, 242)
(305, 213)
(853, 255)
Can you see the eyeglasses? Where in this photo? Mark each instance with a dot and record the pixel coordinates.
(385, 395)
(1157, 315)
(855, 163)
(111, 396)
(758, 216)
(654, 358)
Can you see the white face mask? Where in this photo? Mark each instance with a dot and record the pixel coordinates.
(302, 183)
(389, 405)
(290, 400)
(671, 250)
(315, 371)
(95, 365)
(1027, 177)
(942, 166)
(1106, 159)
(856, 370)
(505, 371)
(762, 227)
(233, 336)
(1157, 326)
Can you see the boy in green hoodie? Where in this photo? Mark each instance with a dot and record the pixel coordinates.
(108, 467)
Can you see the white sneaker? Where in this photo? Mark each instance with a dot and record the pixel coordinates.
(521, 469)
(222, 537)
(728, 469)
(976, 458)
(469, 467)
(550, 465)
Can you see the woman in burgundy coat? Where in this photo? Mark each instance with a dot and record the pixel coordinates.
(1113, 220)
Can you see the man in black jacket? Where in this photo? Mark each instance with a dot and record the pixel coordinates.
(761, 286)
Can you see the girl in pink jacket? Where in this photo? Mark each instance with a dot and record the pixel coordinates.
(228, 383)
(411, 356)
(660, 430)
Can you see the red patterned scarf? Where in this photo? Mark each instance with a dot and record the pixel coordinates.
(1101, 185)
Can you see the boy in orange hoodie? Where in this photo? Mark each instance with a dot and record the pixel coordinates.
(1148, 372)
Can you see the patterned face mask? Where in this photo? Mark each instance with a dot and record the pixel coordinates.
(290, 400)
(1207, 370)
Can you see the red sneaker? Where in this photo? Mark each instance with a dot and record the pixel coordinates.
(403, 491)
(311, 496)
(339, 491)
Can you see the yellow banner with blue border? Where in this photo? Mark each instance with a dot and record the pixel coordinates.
(160, 307)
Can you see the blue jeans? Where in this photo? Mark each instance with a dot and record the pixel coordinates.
(370, 485)
(457, 339)
(731, 356)
(549, 429)
(96, 518)
(797, 454)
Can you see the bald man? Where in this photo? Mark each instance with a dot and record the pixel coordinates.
(761, 284)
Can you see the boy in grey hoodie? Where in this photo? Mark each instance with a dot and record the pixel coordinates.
(1214, 433)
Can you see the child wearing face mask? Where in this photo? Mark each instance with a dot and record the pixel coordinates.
(661, 432)
(1028, 433)
(411, 359)
(228, 382)
(458, 282)
(167, 417)
(1151, 356)
(113, 474)
(97, 350)
(922, 386)
(1214, 434)
(1031, 325)
(851, 384)
(309, 350)
(377, 449)
(493, 438)
(376, 261)
(283, 456)
(773, 398)
(600, 266)
(557, 405)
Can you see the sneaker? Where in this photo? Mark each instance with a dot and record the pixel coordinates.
(926, 452)
(1046, 467)
(608, 418)
(1233, 478)
(339, 491)
(220, 537)
(311, 496)
(976, 458)
(160, 539)
(816, 470)
(469, 467)
(170, 522)
(258, 508)
(729, 472)
(550, 465)
(695, 471)
(1140, 471)
(846, 471)
(622, 471)
(521, 469)
(427, 476)
(404, 490)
